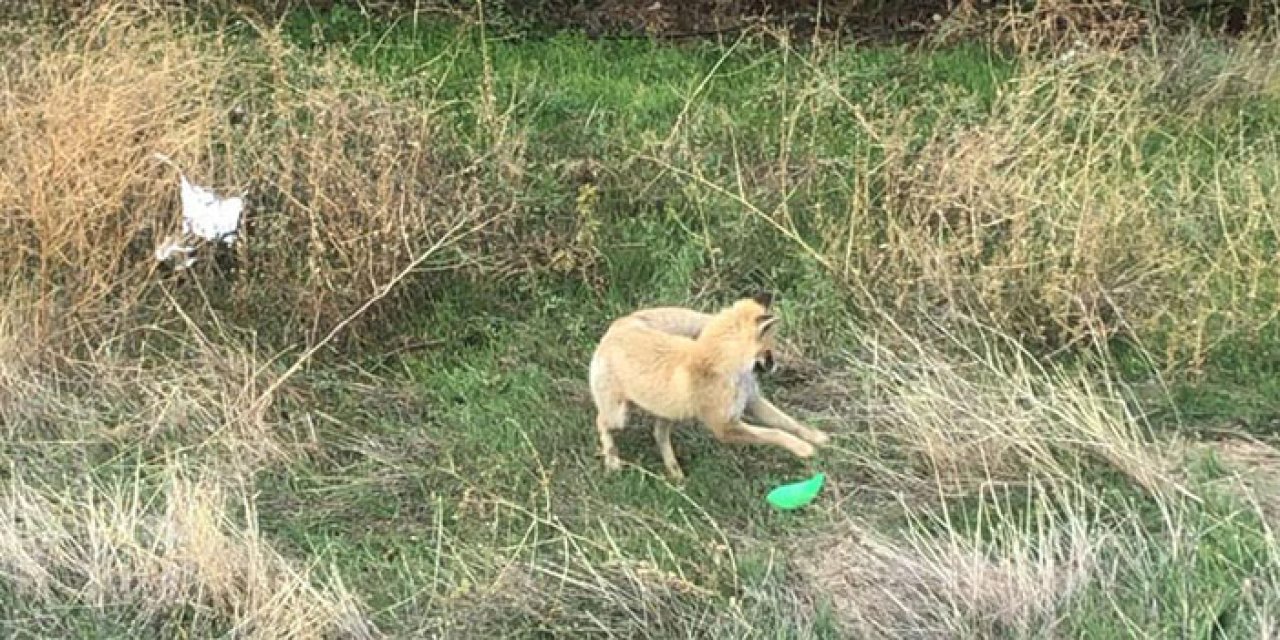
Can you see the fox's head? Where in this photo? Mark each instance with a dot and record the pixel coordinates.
(745, 333)
(766, 325)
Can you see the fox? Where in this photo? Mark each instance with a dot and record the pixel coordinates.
(689, 323)
(679, 364)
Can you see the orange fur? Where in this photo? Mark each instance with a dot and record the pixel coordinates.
(678, 364)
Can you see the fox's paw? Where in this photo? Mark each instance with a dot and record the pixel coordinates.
(675, 475)
(612, 463)
(817, 437)
(803, 449)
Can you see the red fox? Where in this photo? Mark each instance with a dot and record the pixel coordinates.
(679, 364)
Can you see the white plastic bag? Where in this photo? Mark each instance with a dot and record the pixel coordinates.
(204, 215)
(208, 216)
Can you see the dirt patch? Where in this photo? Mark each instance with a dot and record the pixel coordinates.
(1254, 472)
(860, 19)
(800, 18)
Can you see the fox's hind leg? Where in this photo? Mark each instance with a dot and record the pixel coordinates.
(769, 415)
(611, 411)
(662, 434)
(611, 416)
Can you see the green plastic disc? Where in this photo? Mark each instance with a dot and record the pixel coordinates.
(796, 494)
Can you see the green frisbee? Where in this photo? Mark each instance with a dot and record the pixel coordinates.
(797, 494)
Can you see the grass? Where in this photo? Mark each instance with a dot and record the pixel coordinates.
(1016, 287)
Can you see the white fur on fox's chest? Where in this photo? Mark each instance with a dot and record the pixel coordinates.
(745, 389)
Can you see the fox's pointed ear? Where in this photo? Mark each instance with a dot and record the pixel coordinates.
(766, 323)
(765, 298)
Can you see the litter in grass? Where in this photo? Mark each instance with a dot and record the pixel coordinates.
(204, 215)
(208, 216)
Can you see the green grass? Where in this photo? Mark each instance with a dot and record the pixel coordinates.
(429, 478)
(508, 415)
(508, 420)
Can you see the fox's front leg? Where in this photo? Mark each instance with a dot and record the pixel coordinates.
(738, 432)
(769, 415)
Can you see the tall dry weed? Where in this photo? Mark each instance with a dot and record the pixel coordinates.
(82, 113)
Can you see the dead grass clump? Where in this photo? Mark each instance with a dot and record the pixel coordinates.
(357, 186)
(953, 587)
(1055, 558)
(561, 592)
(577, 597)
(981, 227)
(970, 235)
(1102, 195)
(573, 578)
(150, 554)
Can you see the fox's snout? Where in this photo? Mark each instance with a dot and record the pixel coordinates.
(765, 363)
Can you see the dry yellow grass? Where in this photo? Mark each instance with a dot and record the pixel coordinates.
(1048, 220)
(186, 547)
(77, 185)
(1036, 536)
(99, 349)
(170, 537)
(925, 586)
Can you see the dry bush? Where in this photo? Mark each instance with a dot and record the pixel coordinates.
(361, 184)
(1102, 195)
(1052, 23)
(344, 181)
(1057, 25)
(81, 115)
(152, 554)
